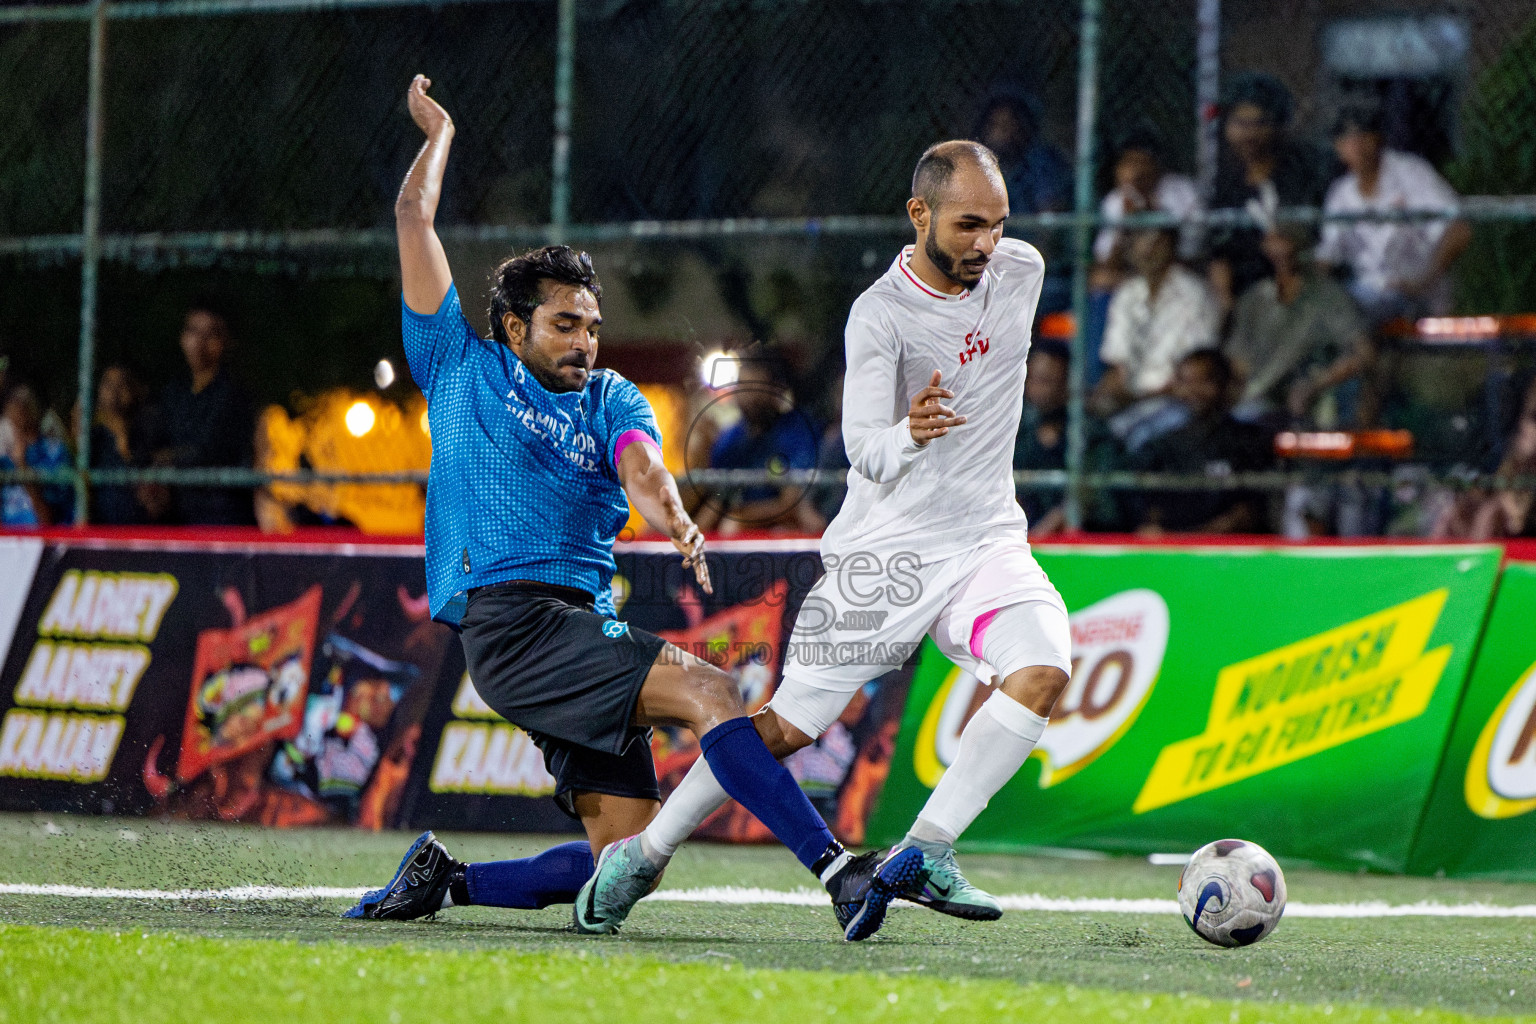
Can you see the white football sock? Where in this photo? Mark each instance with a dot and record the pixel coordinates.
(993, 747)
(929, 833)
(696, 798)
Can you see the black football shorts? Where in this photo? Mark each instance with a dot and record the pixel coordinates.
(546, 662)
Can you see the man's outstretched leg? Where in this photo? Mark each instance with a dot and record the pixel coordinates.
(684, 690)
(811, 711)
(993, 747)
(429, 879)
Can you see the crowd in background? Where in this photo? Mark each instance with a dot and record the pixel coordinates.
(203, 419)
(1202, 344)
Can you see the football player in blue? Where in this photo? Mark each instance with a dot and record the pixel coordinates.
(536, 458)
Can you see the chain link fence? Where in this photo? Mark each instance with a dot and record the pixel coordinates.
(737, 167)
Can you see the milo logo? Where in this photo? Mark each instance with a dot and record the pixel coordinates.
(1117, 652)
(1501, 774)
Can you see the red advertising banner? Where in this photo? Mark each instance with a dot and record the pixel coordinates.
(248, 685)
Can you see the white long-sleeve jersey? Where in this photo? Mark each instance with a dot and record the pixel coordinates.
(957, 490)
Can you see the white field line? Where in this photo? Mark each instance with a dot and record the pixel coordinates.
(241, 894)
(801, 898)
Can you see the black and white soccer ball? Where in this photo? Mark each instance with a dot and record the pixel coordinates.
(1232, 892)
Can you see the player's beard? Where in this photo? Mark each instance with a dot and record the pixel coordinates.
(547, 372)
(948, 265)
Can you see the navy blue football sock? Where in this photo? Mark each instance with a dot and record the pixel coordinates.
(554, 876)
(750, 774)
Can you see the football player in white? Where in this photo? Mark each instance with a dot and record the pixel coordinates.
(931, 539)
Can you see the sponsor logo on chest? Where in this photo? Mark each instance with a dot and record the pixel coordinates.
(554, 428)
(975, 346)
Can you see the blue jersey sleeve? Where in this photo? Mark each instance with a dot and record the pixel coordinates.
(628, 411)
(436, 341)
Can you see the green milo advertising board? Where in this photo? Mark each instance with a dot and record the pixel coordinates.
(1299, 698)
(1482, 815)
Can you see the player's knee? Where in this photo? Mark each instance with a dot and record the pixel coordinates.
(1037, 687)
(1053, 682)
(715, 691)
(781, 738)
(1031, 643)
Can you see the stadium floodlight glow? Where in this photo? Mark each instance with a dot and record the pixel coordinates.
(720, 370)
(384, 374)
(360, 418)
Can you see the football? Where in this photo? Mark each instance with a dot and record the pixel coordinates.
(1232, 892)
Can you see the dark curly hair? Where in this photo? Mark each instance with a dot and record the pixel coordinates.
(517, 288)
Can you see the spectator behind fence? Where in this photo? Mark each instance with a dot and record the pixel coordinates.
(118, 441)
(1211, 444)
(1295, 338)
(1399, 268)
(1155, 319)
(1481, 515)
(1259, 162)
(1042, 444)
(1037, 176)
(33, 504)
(1142, 185)
(206, 421)
(773, 435)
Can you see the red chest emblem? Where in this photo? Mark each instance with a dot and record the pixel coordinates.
(975, 347)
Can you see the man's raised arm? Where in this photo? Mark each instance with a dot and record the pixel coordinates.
(424, 274)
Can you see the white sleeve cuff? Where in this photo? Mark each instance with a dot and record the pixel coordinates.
(910, 445)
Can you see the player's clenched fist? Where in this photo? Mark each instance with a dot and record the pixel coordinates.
(429, 116)
(929, 418)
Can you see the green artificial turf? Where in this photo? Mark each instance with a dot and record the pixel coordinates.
(216, 960)
(49, 975)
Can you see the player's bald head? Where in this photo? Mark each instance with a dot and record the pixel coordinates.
(958, 207)
(946, 165)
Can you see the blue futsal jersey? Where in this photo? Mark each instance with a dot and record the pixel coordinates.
(524, 482)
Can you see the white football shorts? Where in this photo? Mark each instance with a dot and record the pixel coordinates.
(868, 614)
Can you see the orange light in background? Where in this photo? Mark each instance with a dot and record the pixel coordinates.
(426, 428)
(331, 434)
(1344, 444)
(360, 418)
